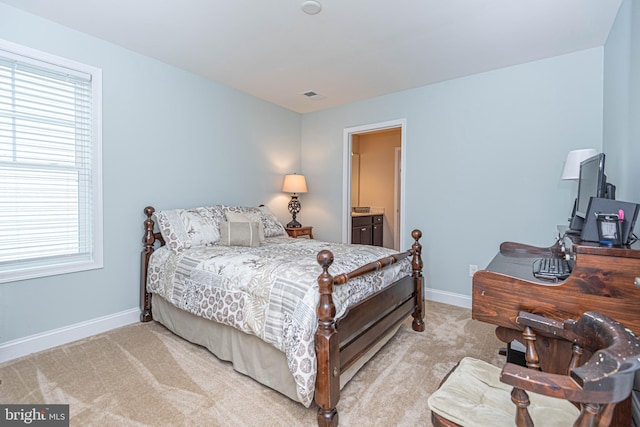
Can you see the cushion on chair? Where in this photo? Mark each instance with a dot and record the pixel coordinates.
(474, 396)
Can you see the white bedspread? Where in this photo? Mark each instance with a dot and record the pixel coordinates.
(270, 291)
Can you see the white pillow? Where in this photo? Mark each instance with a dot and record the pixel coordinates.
(186, 228)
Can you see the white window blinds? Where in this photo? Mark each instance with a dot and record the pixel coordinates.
(49, 168)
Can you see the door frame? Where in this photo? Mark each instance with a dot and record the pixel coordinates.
(397, 200)
(346, 172)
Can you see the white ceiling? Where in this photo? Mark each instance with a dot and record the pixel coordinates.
(351, 50)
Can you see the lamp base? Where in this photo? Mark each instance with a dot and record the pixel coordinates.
(294, 208)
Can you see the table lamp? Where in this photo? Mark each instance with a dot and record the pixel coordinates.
(572, 164)
(294, 184)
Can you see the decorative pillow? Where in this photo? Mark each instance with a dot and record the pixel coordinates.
(242, 233)
(186, 228)
(217, 214)
(238, 217)
(277, 229)
(272, 227)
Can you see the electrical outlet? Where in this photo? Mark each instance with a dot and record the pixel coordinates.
(472, 269)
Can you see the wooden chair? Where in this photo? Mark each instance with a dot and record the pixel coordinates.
(476, 393)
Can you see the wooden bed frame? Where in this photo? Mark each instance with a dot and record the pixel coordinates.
(339, 343)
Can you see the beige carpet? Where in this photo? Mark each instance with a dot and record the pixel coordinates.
(143, 375)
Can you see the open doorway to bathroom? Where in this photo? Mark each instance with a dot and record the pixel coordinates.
(374, 184)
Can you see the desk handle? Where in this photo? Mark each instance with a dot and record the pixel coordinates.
(637, 282)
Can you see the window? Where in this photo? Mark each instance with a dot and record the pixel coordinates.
(50, 164)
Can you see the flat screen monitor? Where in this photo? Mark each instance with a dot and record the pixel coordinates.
(591, 183)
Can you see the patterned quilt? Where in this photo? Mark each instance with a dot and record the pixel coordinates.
(269, 291)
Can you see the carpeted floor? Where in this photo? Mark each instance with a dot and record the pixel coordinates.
(143, 375)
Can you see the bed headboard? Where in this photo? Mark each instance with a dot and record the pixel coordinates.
(149, 241)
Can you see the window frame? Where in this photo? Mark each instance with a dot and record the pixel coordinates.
(67, 264)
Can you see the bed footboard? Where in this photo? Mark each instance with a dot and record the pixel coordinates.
(340, 342)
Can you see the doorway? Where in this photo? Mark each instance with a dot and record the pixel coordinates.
(373, 174)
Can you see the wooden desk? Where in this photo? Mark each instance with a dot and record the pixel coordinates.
(604, 279)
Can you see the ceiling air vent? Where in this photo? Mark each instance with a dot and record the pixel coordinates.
(313, 95)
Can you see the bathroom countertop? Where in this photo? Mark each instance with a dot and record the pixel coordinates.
(372, 211)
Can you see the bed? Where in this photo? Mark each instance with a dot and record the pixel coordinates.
(230, 279)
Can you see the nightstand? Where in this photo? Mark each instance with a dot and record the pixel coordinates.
(300, 231)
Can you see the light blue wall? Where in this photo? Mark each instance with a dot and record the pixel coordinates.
(622, 103)
(170, 139)
(484, 158)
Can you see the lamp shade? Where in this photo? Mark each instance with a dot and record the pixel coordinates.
(294, 183)
(572, 164)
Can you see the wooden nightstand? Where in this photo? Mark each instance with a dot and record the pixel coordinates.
(300, 231)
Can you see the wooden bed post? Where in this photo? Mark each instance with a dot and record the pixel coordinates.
(416, 265)
(148, 240)
(327, 392)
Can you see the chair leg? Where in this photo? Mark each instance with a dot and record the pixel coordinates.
(521, 400)
(588, 415)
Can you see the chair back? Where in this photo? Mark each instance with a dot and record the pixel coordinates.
(600, 358)
(598, 383)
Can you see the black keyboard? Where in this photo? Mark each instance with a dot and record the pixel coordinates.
(552, 268)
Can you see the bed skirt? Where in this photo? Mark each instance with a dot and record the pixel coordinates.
(248, 354)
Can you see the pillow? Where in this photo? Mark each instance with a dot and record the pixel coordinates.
(217, 214)
(187, 228)
(238, 217)
(276, 227)
(243, 233)
(272, 227)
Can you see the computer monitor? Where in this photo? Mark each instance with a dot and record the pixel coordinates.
(592, 182)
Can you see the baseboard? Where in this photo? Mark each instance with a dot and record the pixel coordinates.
(21, 347)
(49, 339)
(450, 298)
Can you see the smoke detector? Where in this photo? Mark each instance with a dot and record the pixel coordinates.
(311, 7)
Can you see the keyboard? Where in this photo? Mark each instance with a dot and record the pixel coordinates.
(552, 268)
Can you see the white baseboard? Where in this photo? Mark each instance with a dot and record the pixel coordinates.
(49, 339)
(21, 347)
(450, 298)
